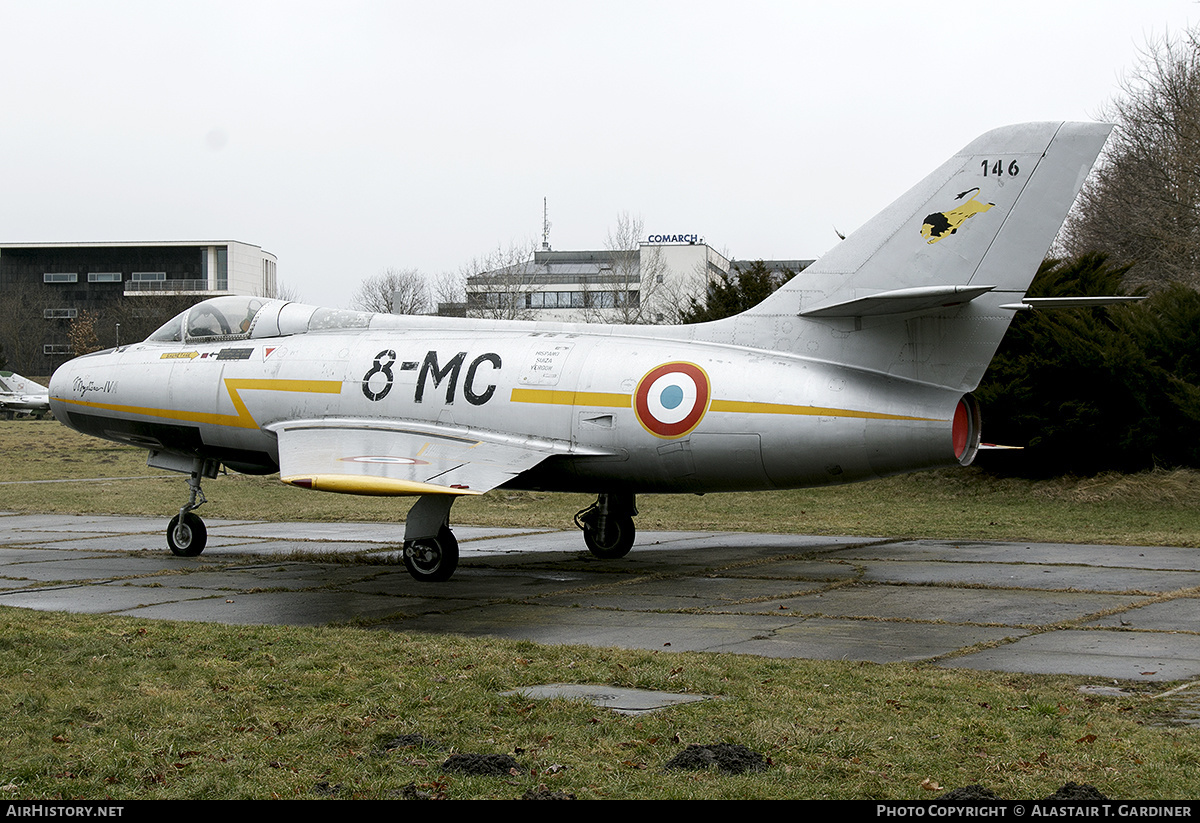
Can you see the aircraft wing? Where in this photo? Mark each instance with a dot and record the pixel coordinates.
(398, 458)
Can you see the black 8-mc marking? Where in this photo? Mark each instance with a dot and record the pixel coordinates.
(430, 368)
(383, 365)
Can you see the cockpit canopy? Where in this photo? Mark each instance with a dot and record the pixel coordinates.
(238, 317)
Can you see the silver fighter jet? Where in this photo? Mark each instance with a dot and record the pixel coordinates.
(860, 367)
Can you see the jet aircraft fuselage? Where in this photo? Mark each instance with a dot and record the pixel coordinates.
(609, 408)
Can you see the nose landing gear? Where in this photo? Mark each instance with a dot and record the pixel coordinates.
(186, 533)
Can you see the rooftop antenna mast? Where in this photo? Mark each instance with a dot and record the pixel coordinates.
(545, 225)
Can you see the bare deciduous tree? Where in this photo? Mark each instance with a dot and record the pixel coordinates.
(449, 290)
(282, 291)
(393, 291)
(1142, 204)
(634, 285)
(503, 279)
(22, 325)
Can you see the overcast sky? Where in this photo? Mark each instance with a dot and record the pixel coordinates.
(350, 137)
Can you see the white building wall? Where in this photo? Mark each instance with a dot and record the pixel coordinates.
(674, 274)
(247, 273)
(666, 277)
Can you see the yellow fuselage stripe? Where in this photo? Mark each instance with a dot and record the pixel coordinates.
(242, 420)
(752, 407)
(556, 397)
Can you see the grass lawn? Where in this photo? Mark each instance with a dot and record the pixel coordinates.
(109, 707)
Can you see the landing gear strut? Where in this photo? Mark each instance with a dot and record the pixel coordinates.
(607, 525)
(186, 534)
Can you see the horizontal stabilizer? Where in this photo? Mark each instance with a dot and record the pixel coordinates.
(900, 301)
(1068, 302)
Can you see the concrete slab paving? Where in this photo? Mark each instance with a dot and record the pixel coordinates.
(97, 599)
(1142, 557)
(1051, 608)
(599, 627)
(16, 555)
(1018, 575)
(938, 604)
(1180, 614)
(1159, 656)
(293, 608)
(874, 641)
(716, 593)
(88, 568)
(132, 543)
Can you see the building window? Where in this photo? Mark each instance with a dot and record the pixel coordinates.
(58, 314)
(144, 276)
(56, 348)
(104, 277)
(60, 277)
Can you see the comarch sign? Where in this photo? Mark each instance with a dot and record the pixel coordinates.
(674, 238)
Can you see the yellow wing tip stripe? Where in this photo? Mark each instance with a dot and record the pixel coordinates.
(375, 486)
(557, 397)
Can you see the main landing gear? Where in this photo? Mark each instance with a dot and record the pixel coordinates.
(430, 548)
(607, 525)
(432, 559)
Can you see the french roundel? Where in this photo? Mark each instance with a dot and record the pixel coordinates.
(671, 399)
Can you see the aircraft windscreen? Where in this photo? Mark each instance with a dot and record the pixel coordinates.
(171, 331)
(222, 318)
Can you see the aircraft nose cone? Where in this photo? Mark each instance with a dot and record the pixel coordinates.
(61, 383)
(57, 381)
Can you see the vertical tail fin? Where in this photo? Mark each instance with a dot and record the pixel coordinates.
(916, 292)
